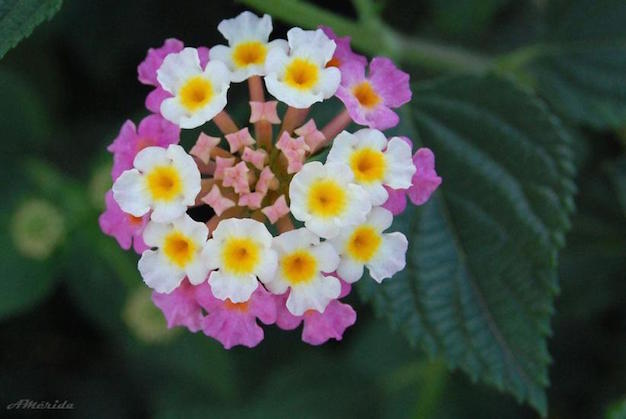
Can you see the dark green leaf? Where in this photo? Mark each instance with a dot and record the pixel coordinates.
(480, 280)
(579, 67)
(18, 18)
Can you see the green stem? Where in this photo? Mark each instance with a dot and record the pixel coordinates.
(372, 36)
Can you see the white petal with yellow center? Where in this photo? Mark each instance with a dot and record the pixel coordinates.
(326, 200)
(299, 77)
(198, 94)
(165, 181)
(177, 249)
(248, 45)
(375, 162)
(366, 244)
(302, 262)
(240, 252)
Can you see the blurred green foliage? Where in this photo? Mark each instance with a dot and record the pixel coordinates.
(76, 325)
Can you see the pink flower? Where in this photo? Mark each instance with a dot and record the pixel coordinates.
(239, 140)
(147, 69)
(236, 324)
(277, 210)
(124, 227)
(180, 307)
(203, 147)
(251, 200)
(425, 181)
(237, 177)
(215, 200)
(221, 164)
(294, 150)
(264, 111)
(369, 100)
(153, 131)
(343, 53)
(267, 180)
(257, 158)
(312, 136)
(318, 327)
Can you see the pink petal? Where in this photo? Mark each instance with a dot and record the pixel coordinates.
(240, 139)
(284, 319)
(255, 157)
(125, 228)
(237, 177)
(216, 201)
(264, 111)
(251, 200)
(147, 69)
(221, 164)
(266, 181)
(277, 210)
(155, 98)
(180, 307)
(425, 179)
(343, 52)
(389, 82)
(203, 147)
(312, 136)
(396, 203)
(331, 324)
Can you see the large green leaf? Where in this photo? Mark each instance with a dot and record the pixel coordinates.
(480, 280)
(18, 18)
(579, 66)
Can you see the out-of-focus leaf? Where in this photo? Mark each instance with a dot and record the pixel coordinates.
(480, 280)
(579, 67)
(617, 174)
(18, 18)
(466, 16)
(617, 411)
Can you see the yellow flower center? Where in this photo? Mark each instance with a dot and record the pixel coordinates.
(364, 243)
(196, 93)
(248, 53)
(164, 183)
(241, 307)
(299, 267)
(366, 95)
(301, 74)
(327, 198)
(240, 255)
(368, 165)
(179, 249)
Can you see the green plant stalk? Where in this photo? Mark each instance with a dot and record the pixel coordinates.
(373, 36)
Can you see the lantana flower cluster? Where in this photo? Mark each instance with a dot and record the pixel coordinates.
(286, 234)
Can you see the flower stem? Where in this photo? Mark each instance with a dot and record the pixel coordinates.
(262, 129)
(334, 127)
(373, 36)
(225, 123)
(293, 119)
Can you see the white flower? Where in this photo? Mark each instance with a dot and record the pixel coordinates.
(374, 161)
(301, 261)
(248, 45)
(165, 181)
(241, 250)
(326, 200)
(365, 244)
(179, 246)
(199, 94)
(300, 77)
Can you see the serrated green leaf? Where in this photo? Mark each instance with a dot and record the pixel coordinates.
(579, 66)
(480, 280)
(18, 18)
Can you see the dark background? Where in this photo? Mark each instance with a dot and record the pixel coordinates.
(89, 335)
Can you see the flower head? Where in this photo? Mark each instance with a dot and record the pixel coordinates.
(241, 252)
(198, 93)
(302, 262)
(374, 161)
(165, 181)
(178, 248)
(299, 77)
(369, 100)
(248, 45)
(325, 198)
(366, 244)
